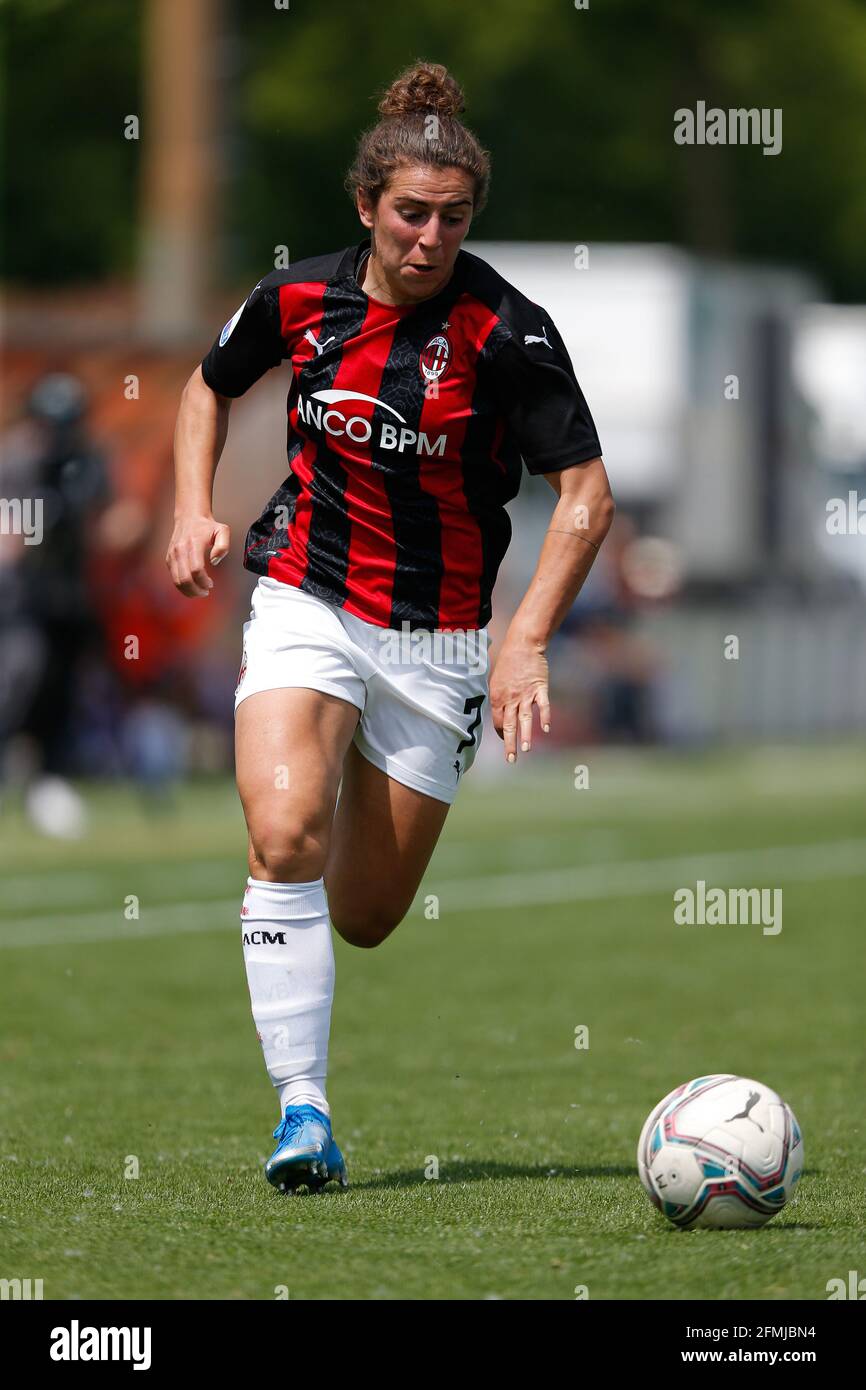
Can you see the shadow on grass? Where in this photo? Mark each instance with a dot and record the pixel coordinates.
(451, 1172)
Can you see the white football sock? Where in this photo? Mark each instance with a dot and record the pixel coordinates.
(289, 957)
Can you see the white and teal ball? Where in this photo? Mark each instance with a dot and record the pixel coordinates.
(721, 1151)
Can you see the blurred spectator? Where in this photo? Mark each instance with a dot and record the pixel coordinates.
(157, 644)
(56, 480)
(602, 669)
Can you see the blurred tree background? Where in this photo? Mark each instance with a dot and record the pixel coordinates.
(576, 107)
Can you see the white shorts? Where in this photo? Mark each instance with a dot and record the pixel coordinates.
(421, 694)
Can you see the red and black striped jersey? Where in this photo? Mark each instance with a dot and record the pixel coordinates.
(406, 429)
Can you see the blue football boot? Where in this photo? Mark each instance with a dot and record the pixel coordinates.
(306, 1155)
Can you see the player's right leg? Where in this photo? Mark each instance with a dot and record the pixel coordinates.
(290, 744)
(289, 750)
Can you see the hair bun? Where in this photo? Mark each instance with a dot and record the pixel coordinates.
(422, 88)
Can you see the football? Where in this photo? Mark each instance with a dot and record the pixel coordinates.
(721, 1151)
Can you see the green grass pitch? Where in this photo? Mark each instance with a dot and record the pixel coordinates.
(128, 1048)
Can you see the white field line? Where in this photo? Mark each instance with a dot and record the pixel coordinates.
(75, 888)
(81, 889)
(768, 868)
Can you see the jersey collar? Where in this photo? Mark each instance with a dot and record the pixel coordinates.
(357, 255)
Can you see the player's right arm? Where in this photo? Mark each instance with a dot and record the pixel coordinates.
(199, 437)
(249, 345)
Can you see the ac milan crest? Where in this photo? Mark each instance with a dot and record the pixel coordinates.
(435, 357)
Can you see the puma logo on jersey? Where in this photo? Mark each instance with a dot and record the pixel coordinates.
(531, 338)
(310, 337)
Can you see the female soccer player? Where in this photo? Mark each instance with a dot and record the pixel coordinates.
(420, 380)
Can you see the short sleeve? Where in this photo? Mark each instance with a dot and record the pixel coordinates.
(249, 344)
(540, 399)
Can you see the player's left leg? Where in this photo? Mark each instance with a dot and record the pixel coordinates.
(382, 838)
(417, 736)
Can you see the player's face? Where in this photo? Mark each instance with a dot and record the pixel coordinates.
(417, 227)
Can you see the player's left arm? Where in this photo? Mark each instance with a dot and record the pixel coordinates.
(580, 522)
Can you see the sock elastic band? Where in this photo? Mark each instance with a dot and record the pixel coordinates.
(264, 901)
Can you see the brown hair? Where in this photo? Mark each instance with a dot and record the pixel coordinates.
(407, 135)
